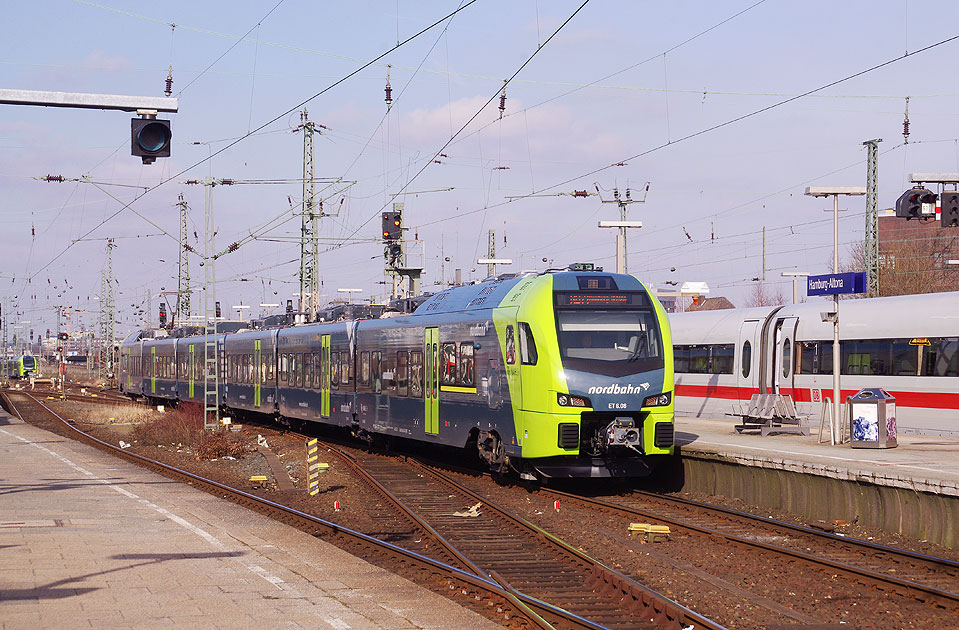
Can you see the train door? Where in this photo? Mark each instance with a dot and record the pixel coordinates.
(431, 356)
(325, 377)
(747, 373)
(257, 372)
(784, 361)
(191, 370)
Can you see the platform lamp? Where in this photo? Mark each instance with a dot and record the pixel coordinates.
(350, 293)
(239, 310)
(835, 192)
(795, 276)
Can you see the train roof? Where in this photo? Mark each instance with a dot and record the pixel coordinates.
(492, 291)
(924, 315)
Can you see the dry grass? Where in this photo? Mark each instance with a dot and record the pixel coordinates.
(184, 427)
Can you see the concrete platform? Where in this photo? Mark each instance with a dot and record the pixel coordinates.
(912, 489)
(87, 540)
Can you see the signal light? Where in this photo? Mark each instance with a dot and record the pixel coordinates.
(950, 208)
(150, 138)
(63, 335)
(217, 305)
(392, 226)
(916, 203)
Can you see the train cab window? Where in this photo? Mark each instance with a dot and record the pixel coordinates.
(416, 374)
(747, 358)
(376, 372)
(787, 356)
(364, 368)
(527, 346)
(448, 364)
(402, 373)
(466, 364)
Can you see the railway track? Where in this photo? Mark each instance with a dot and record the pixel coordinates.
(928, 579)
(483, 589)
(489, 540)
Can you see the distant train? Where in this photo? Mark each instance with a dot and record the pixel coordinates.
(20, 367)
(557, 374)
(907, 345)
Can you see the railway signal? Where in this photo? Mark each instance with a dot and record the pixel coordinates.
(150, 138)
(916, 203)
(950, 208)
(392, 226)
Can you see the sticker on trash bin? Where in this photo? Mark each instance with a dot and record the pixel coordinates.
(865, 423)
(891, 421)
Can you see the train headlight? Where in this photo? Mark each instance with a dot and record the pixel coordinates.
(568, 400)
(659, 400)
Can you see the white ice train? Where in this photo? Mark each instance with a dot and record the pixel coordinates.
(908, 346)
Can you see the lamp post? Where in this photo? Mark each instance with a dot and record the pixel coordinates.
(350, 292)
(835, 192)
(795, 276)
(492, 262)
(621, 240)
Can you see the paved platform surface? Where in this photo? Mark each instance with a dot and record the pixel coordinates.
(87, 540)
(923, 463)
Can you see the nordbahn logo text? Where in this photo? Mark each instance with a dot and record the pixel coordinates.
(619, 389)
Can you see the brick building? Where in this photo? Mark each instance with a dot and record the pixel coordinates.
(914, 255)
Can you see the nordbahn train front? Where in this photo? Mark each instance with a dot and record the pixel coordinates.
(589, 361)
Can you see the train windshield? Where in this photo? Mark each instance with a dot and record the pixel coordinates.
(29, 363)
(613, 343)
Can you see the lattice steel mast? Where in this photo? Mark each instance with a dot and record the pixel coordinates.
(871, 240)
(309, 247)
(107, 316)
(183, 292)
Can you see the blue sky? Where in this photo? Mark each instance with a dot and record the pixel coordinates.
(585, 101)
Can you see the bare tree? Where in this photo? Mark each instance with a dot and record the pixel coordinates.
(765, 295)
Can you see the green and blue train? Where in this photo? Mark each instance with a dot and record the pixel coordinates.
(556, 374)
(20, 367)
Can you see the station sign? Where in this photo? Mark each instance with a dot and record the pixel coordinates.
(836, 283)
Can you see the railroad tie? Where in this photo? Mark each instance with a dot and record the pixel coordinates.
(283, 481)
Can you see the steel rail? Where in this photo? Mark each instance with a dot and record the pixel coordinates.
(923, 592)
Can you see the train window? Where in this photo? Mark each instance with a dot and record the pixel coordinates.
(346, 367)
(320, 369)
(250, 368)
(310, 376)
(510, 346)
(284, 368)
(448, 364)
(787, 356)
(699, 359)
(364, 368)
(941, 357)
(527, 346)
(300, 368)
(466, 363)
(681, 359)
(747, 358)
(722, 358)
(416, 374)
(335, 370)
(388, 366)
(375, 372)
(402, 373)
(905, 361)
